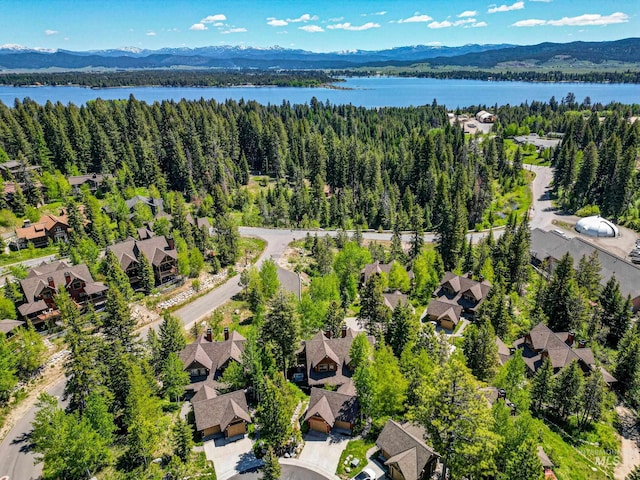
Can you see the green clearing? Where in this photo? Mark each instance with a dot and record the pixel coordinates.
(357, 448)
(516, 200)
(26, 254)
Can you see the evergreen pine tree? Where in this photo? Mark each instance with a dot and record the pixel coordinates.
(118, 325)
(145, 274)
(182, 439)
(542, 385)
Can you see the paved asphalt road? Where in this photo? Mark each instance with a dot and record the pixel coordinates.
(17, 461)
(289, 472)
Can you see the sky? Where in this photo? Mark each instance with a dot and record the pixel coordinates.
(315, 25)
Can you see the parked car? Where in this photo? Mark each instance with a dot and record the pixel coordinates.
(366, 474)
(298, 377)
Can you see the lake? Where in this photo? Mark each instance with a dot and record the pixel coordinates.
(367, 92)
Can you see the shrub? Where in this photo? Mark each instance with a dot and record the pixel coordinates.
(588, 211)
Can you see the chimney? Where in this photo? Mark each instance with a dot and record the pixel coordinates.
(327, 332)
(582, 343)
(512, 351)
(26, 223)
(544, 354)
(344, 331)
(171, 243)
(570, 338)
(470, 275)
(94, 176)
(51, 283)
(502, 393)
(67, 278)
(226, 333)
(208, 337)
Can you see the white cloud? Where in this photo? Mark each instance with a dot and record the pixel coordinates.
(542, 1)
(355, 28)
(590, 20)
(468, 13)
(198, 26)
(234, 30)
(150, 34)
(311, 28)
(274, 22)
(506, 8)
(457, 23)
(336, 19)
(531, 22)
(445, 24)
(303, 18)
(479, 24)
(416, 18)
(219, 24)
(51, 32)
(218, 17)
(374, 14)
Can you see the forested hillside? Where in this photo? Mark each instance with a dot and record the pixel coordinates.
(336, 166)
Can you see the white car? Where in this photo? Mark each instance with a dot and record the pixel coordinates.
(366, 474)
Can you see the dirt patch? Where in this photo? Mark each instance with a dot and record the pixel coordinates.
(629, 437)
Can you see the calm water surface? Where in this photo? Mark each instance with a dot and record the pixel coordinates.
(365, 92)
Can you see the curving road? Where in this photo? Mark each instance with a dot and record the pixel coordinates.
(17, 461)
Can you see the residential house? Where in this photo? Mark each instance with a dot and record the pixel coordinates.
(485, 117)
(43, 283)
(541, 143)
(547, 248)
(393, 299)
(376, 267)
(50, 228)
(404, 452)
(226, 415)
(201, 223)
(547, 464)
(327, 360)
(160, 252)
(17, 171)
(493, 395)
(455, 297)
(206, 360)
(504, 352)
(95, 181)
(155, 204)
(561, 348)
(332, 410)
(8, 326)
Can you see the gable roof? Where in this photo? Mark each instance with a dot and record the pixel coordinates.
(541, 341)
(545, 245)
(213, 355)
(338, 348)
(41, 228)
(440, 309)
(332, 406)
(155, 249)
(399, 441)
(221, 410)
(38, 279)
(461, 287)
(392, 300)
(7, 325)
(76, 180)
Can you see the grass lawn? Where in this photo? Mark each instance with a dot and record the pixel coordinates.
(251, 248)
(518, 199)
(357, 448)
(584, 462)
(26, 254)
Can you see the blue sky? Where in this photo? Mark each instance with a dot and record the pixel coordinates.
(315, 25)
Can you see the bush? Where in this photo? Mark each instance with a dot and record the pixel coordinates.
(588, 211)
(8, 219)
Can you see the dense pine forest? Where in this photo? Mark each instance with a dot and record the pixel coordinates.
(170, 78)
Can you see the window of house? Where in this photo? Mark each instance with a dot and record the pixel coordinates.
(323, 367)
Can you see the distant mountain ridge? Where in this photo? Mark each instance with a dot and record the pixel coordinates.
(14, 57)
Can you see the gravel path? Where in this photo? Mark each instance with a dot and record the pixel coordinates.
(630, 436)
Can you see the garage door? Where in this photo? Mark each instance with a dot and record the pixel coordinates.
(318, 425)
(236, 429)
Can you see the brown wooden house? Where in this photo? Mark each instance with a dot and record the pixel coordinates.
(225, 415)
(44, 282)
(404, 452)
(455, 297)
(332, 410)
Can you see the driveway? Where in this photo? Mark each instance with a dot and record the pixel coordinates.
(322, 452)
(231, 457)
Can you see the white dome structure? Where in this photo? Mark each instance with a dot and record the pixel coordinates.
(597, 226)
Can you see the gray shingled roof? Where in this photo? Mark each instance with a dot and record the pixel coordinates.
(461, 286)
(332, 406)
(318, 346)
(221, 410)
(8, 324)
(405, 448)
(213, 355)
(154, 248)
(546, 245)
